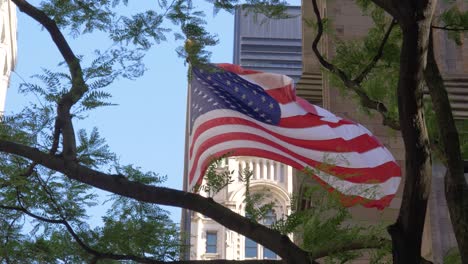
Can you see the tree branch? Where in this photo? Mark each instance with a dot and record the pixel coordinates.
(52, 28)
(356, 245)
(79, 87)
(450, 28)
(56, 137)
(52, 151)
(97, 255)
(6, 256)
(55, 206)
(23, 210)
(100, 255)
(456, 187)
(119, 185)
(377, 56)
(366, 101)
(29, 171)
(386, 5)
(221, 261)
(359, 245)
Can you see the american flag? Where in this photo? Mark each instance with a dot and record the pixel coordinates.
(250, 113)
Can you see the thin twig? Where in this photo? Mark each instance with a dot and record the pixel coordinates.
(81, 243)
(7, 238)
(347, 81)
(56, 206)
(25, 211)
(377, 56)
(450, 28)
(387, 6)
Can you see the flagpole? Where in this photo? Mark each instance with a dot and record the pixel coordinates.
(186, 214)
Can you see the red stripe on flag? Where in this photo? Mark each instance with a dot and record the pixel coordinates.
(306, 105)
(376, 174)
(236, 69)
(310, 120)
(379, 204)
(283, 94)
(351, 200)
(348, 201)
(358, 144)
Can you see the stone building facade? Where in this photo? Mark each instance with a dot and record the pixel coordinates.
(210, 240)
(7, 46)
(349, 23)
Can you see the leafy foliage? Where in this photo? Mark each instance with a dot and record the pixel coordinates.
(53, 204)
(380, 84)
(256, 205)
(434, 135)
(80, 16)
(130, 228)
(140, 29)
(452, 257)
(92, 150)
(195, 36)
(352, 56)
(216, 177)
(275, 9)
(456, 21)
(322, 224)
(55, 84)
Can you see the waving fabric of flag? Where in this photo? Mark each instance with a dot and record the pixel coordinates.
(250, 113)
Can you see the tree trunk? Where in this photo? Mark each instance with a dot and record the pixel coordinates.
(456, 187)
(414, 18)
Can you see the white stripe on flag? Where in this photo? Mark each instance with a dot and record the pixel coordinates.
(369, 159)
(292, 109)
(321, 132)
(268, 81)
(365, 190)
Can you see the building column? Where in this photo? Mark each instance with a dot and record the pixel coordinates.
(198, 245)
(278, 171)
(288, 174)
(272, 173)
(257, 169)
(264, 169)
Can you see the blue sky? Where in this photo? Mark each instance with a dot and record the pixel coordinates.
(147, 127)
